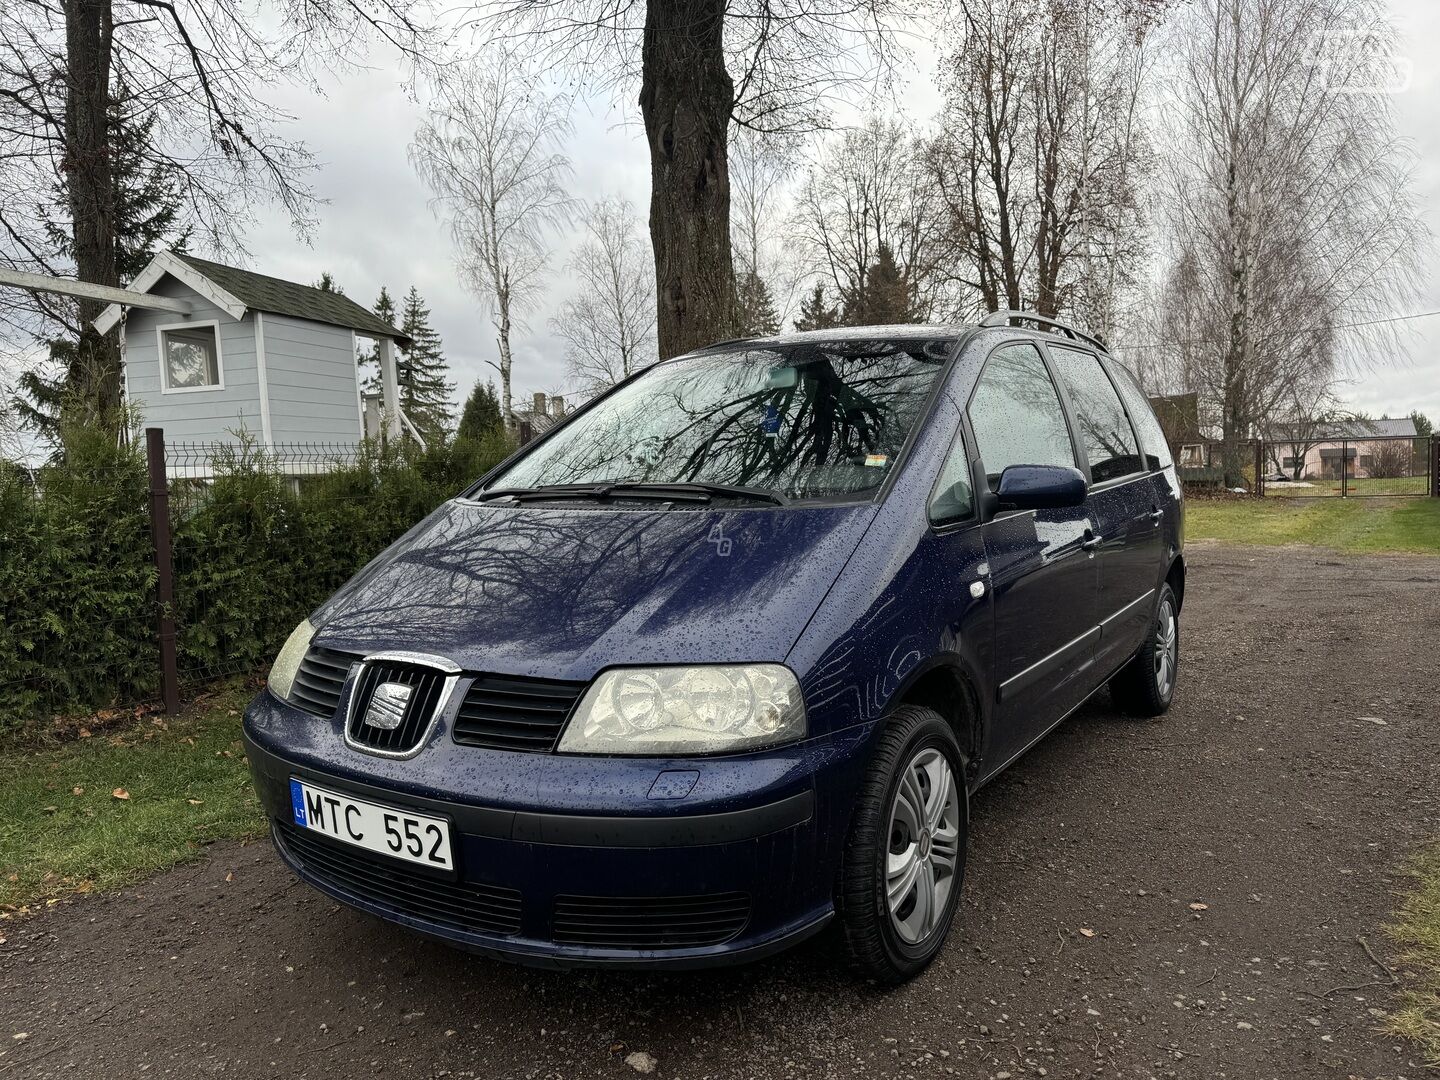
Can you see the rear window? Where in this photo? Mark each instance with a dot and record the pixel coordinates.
(1104, 431)
(1152, 435)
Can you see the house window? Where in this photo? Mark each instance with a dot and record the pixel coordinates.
(190, 357)
(1289, 463)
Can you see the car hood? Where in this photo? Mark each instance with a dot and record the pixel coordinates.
(562, 593)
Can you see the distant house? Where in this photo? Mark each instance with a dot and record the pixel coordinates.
(527, 424)
(1354, 448)
(274, 358)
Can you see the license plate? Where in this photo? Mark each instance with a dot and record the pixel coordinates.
(401, 834)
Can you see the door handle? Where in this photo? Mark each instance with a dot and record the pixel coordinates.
(1155, 515)
(1091, 541)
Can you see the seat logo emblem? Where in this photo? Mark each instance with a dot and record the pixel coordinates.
(387, 705)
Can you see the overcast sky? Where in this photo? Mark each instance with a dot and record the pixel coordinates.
(377, 228)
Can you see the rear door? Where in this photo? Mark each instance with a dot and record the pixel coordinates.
(1042, 575)
(1123, 504)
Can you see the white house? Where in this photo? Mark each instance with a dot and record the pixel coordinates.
(274, 358)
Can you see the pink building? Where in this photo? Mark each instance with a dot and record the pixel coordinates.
(1354, 448)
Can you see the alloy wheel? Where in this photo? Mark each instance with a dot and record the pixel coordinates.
(1166, 652)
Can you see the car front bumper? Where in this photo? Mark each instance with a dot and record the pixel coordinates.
(568, 860)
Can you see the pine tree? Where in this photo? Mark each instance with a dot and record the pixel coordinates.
(884, 299)
(815, 313)
(148, 217)
(327, 284)
(425, 393)
(481, 415)
(369, 360)
(754, 309)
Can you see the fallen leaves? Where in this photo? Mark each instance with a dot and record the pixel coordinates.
(77, 790)
(1197, 906)
(121, 794)
(196, 802)
(1085, 931)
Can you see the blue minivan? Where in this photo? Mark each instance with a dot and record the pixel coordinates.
(720, 659)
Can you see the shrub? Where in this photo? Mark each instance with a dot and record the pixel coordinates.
(254, 551)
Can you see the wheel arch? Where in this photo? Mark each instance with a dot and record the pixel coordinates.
(945, 686)
(1175, 578)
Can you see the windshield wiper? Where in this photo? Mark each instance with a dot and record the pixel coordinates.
(704, 487)
(588, 491)
(697, 491)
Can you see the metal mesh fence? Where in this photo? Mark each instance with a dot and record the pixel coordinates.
(1350, 468)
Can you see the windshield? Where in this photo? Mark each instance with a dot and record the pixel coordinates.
(802, 421)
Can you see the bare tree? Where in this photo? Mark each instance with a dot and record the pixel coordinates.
(195, 64)
(1039, 150)
(1289, 195)
(761, 165)
(491, 152)
(1392, 459)
(869, 192)
(608, 325)
(1309, 416)
(702, 66)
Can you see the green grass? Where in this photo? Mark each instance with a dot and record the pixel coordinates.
(62, 830)
(1358, 525)
(1418, 932)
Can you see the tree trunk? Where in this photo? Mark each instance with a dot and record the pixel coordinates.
(503, 305)
(685, 98)
(93, 380)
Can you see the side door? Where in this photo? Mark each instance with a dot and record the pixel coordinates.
(1123, 504)
(1041, 570)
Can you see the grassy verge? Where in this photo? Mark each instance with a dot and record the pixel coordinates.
(111, 809)
(1350, 525)
(1418, 932)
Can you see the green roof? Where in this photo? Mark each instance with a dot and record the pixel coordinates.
(261, 293)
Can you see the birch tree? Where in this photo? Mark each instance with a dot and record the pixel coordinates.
(608, 325)
(1291, 213)
(492, 154)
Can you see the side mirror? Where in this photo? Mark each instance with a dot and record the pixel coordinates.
(1040, 487)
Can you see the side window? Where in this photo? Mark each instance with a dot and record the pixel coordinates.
(1099, 417)
(952, 499)
(1152, 435)
(1016, 414)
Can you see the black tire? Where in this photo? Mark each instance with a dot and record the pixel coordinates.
(875, 945)
(1138, 688)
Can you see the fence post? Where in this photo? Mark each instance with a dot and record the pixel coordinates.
(1434, 467)
(1344, 468)
(164, 572)
(1259, 468)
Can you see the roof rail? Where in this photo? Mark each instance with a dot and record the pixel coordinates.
(1005, 318)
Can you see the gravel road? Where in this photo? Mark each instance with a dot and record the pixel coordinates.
(1181, 898)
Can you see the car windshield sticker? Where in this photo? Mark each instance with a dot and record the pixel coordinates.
(771, 424)
(876, 461)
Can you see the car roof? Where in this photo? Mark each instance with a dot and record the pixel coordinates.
(893, 332)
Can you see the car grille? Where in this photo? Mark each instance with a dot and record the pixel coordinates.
(426, 685)
(464, 905)
(320, 679)
(513, 713)
(625, 922)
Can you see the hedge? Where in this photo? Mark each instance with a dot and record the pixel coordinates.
(253, 552)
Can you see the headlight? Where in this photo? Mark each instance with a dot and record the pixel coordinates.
(282, 672)
(674, 711)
